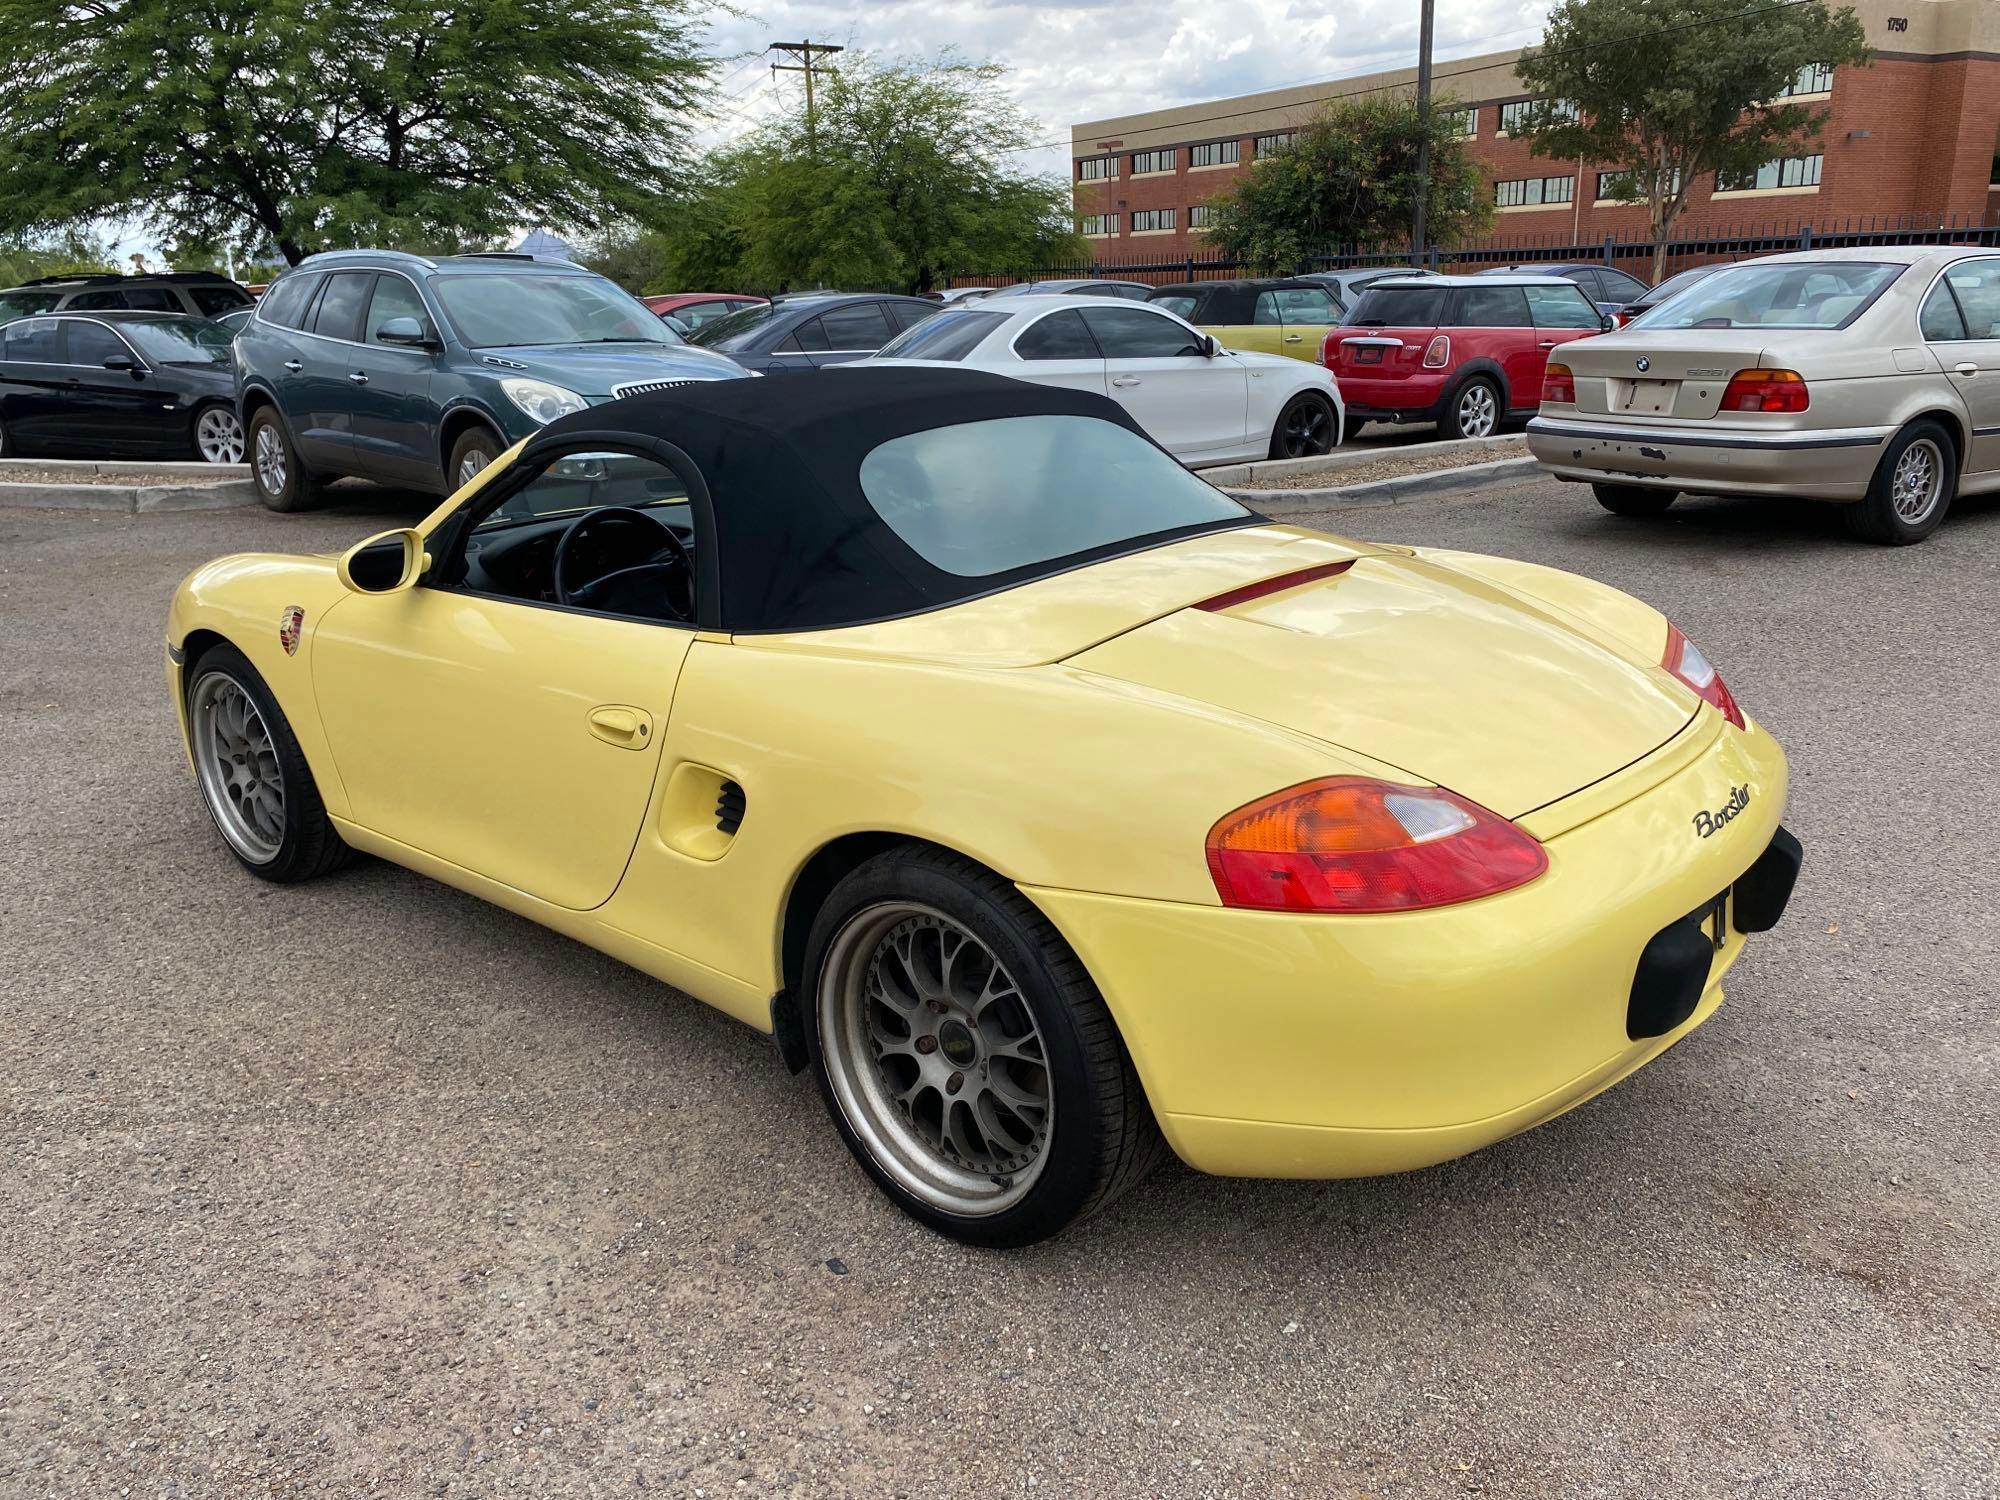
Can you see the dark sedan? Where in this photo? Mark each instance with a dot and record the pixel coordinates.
(1609, 289)
(118, 384)
(810, 330)
(1673, 286)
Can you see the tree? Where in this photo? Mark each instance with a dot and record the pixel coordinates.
(418, 123)
(25, 257)
(905, 178)
(1348, 182)
(1663, 91)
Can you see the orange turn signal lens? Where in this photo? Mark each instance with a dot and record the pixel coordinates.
(1354, 844)
(1558, 386)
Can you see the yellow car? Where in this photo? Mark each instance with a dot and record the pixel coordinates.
(1043, 800)
(1273, 316)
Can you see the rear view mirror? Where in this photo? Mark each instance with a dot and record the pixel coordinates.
(1607, 324)
(406, 331)
(384, 564)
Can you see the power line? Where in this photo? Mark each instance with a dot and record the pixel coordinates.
(1387, 88)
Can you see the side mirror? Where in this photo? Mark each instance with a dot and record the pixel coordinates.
(409, 332)
(1607, 324)
(122, 362)
(1210, 347)
(384, 564)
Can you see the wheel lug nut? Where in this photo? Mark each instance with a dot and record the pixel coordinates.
(936, 1006)
(954, 1083)
(927, 1045)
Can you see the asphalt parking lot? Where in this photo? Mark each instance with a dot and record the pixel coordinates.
(364, 1187)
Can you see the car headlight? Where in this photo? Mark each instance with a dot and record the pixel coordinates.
(540, 400)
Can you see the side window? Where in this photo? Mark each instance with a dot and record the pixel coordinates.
(1591, 282)
(1061, 335)
(1177, 302)
(96, 301)
(1940, 318)
(1266, 311)
(32, 339)
(91, 344)
(1561, 307)
(214, 301)
(394, 298)
(1492, 307)
(285, 303)
(1305, 305)
(1977, 285)
(809, 335)
(905, 316)
(1135, 333)
(1620, 287)
(860, 325)
(152, 299)
(339, 315)
(635, 565)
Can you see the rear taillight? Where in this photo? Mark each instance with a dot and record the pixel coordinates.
(1327, 347)
(1559, 385)
(1620, 319)
(1685, 661)
(1437, 353)
(1352, 844)
(1766, 390)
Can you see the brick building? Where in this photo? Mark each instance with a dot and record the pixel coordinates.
(1915, 135)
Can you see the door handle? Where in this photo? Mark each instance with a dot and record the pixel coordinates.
(1125, 380)
(294, 366)
(617, 724)
(1546, 344)
(1293, 338)
(1966, 368)
(358, 378)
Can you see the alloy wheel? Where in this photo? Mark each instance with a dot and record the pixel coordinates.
(271, 462)
(237, 765)
(1478, 412)
(1918, 482)
(218, 436)
(935, 1058)
(1308, 429)
(469, 466)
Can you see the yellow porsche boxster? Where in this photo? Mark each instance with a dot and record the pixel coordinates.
(1048, 804)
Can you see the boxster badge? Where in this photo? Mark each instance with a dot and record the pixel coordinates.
(289, 624)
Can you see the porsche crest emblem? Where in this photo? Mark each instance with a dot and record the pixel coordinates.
(289, 625)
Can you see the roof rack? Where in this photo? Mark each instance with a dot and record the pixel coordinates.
(499, 255)
(114, 278)
(401, 255)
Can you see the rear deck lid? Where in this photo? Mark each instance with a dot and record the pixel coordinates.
(1681, 375)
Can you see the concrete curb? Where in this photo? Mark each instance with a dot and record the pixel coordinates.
(1345, 458)
(9, 467)
(1388, 491)
(130, 499)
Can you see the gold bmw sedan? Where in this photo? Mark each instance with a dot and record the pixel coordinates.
(1870, 378)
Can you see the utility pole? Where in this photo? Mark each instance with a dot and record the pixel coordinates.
(805, 52)
(1419, 229)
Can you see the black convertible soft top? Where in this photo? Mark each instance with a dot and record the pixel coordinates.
(785, 538)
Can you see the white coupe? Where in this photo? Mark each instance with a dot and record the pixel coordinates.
(1201, 402)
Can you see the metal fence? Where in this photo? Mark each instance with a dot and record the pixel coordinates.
(1634, 255)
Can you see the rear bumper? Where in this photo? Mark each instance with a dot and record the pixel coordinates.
(1276, 1045)
(1830, 464)
(1416, 400)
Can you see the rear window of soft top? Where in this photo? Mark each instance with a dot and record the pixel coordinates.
(1399, 307)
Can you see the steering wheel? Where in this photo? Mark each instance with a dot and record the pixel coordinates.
(639, 589)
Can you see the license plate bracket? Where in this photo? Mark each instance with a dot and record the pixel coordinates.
(1648, 398)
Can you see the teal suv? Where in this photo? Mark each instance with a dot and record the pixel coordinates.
(419, 372)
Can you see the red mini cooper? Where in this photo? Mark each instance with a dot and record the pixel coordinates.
(1465, 352)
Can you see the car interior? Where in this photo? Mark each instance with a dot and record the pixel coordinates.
(609, 532)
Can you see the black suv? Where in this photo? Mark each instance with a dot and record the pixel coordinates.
(200, 294)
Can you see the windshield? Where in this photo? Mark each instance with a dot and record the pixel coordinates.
(952, 334)
(1399, 307)
(981, 498)
(20, 304)
(180, 341)
(522, 308)
(735, 331)
(1821, 295)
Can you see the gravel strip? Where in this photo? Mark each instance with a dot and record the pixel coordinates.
(23, 473)
(1393, 467)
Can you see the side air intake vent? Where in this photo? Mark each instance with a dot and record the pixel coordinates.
(729, 806)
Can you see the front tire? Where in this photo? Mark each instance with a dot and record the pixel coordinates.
(1634, 499)
(1912, 488)
(1305, 428)
(474, 450)
(282, 481)
(1473, 411)
(964, 1055)
(218, 435)
(253, 777)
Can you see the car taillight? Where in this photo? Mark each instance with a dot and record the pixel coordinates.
(1766, 390)
(1437, 353)
(1326, 348)
(1559, 385)
(1353, 844)
(1685, 661)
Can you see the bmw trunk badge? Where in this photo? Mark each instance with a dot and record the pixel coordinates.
(1645, 364)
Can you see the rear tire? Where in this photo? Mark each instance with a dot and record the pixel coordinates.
(1911, 491)
(1305, 427)
(282, 481)
(964, 1055)
(218, 434)
(475, 449)
(253, 777)
(1634, 499)
(1473, 411)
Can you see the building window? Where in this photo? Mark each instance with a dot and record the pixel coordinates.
(1200, 216)
(1786, 172)
(1144, 219)
(1813, 78)
(1091, 168)
(1608, 184)
(1515, 117)
(1266, 144)
(1215, 154)
(1463, 121)
(1100, 224)
(1526, 192)
(1152, 161)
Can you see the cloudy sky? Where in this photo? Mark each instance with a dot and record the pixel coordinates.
(1078, 60)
